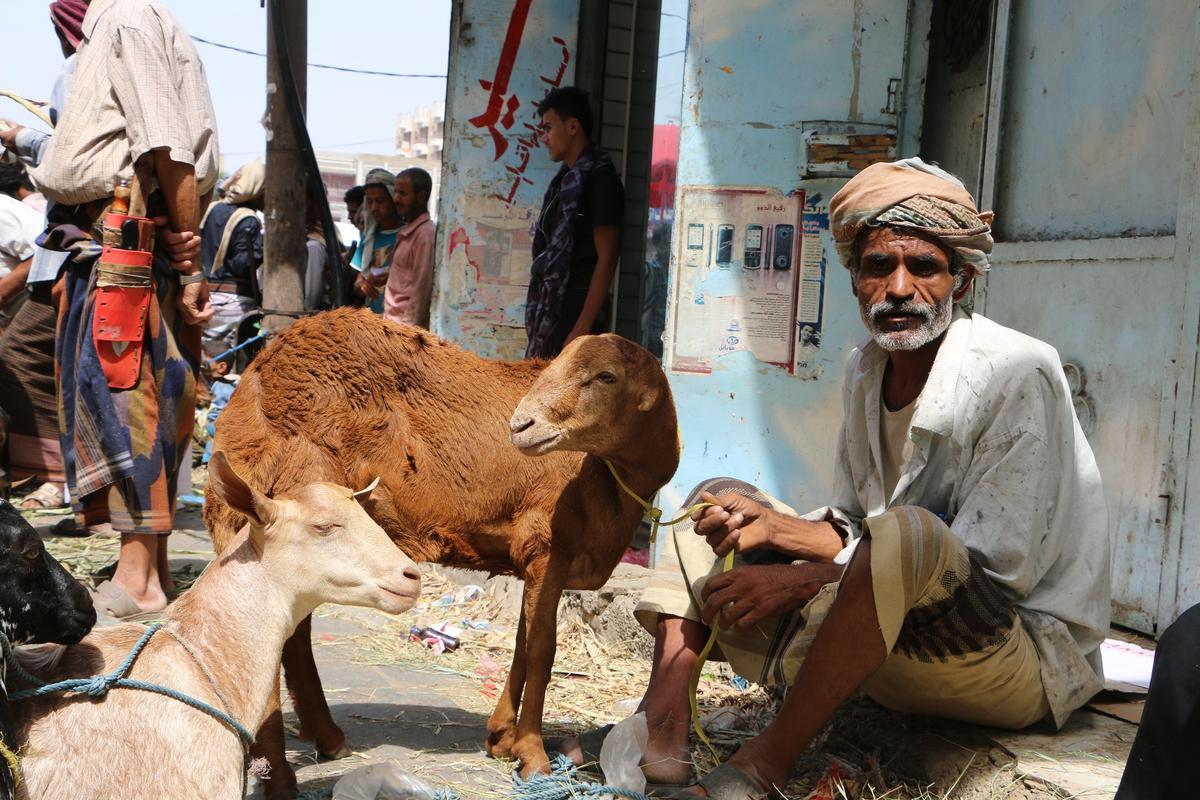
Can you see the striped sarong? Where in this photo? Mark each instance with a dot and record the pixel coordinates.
(123, 448)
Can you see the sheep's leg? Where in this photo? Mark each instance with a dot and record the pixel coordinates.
(503, 722)
(308, 698)
(280, 782)
(541, 611)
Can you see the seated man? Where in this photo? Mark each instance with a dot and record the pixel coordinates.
(962, 570)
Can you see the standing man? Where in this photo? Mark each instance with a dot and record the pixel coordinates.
(578, 233)
(410, 281)
(139, 104)
(373, 257)
(961, 569)
(231, 250)
(354, 201)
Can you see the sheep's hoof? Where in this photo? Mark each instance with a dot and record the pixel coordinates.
(499, 744)
(333, 754)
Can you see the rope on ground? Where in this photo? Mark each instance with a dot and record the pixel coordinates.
(563, 784)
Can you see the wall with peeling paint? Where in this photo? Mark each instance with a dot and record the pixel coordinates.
(504, 55)
(758, 75)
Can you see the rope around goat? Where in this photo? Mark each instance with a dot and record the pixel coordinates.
(99, 685)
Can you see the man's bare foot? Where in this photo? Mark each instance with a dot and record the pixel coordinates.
(666, 759)
(148, 597)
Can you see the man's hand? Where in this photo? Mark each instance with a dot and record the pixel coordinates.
(745, 596)
(8, 133)
(183, 247)
(193, 303)
(734, 522)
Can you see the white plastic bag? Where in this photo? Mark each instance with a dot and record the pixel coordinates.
(381, 782)
(622, 752)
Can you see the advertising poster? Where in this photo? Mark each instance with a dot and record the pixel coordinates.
(741, 265)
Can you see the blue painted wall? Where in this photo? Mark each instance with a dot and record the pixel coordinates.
(754, 73)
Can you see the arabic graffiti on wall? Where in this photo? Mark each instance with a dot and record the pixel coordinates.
(496, 166)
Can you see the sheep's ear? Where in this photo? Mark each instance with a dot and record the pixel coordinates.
(362, 495)
(648, 399)
(239, 495)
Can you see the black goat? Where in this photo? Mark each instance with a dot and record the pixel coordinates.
(39, 602)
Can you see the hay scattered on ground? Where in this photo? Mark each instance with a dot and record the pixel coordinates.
(595, 682)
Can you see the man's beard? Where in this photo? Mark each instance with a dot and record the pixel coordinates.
(935, 320)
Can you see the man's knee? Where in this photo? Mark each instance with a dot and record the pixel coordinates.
(918, 529)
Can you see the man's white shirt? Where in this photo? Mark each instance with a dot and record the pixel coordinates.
(998, 454)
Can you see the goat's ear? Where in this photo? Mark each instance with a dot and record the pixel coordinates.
(239, 495)
(648, 399)
(362, 495)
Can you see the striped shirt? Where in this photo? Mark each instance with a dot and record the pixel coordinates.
(138, 86)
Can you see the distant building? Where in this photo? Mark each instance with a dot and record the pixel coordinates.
(419, 132)
(340, 171)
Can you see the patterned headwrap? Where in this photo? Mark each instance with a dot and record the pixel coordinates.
(911, 194)
(67, 16)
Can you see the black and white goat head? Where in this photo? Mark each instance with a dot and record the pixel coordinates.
(39, 602)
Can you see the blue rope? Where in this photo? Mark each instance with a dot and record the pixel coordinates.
(563, 784)
(233, 350)
(98, 686)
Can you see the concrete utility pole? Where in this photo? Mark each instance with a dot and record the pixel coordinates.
(285, 192)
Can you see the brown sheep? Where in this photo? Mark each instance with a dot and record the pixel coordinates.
(220, 644)
(346, 396)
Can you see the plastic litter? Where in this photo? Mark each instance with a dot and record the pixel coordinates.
(622, 752)
(435, 640)
(382, 782)
(738, 682)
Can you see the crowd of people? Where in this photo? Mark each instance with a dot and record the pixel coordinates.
(108, 334)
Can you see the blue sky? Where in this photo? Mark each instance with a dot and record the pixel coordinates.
(355, 113)
(348, 112)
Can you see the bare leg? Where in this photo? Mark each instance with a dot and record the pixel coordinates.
(502, 725)
(164, 568)
(677, 645)
(848, 649)
(308, 698)
(137, 570)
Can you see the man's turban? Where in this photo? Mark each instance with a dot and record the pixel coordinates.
(911, 194)
(67, 16)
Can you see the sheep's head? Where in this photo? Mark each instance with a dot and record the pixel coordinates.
(39, 600)
(321, 543)
(591, 398)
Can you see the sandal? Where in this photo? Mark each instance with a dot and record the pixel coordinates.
(726, 782)
(112, 600)
(46, 496)
(590, 743)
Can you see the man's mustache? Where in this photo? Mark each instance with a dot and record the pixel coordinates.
(923, 310)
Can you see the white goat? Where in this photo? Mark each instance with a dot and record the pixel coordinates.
(317, 546)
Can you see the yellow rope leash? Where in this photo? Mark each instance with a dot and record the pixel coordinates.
(14, 764)
(32, 106)
(654, 514)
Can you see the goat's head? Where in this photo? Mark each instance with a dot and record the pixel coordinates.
(39, 600)
(590, 398)
(321, 543)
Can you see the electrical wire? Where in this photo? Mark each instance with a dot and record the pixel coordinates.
(325, 66)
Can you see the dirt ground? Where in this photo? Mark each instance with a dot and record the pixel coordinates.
(400, 702)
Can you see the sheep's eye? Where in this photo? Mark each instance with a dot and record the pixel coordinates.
(606, 377)
(34, 552)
